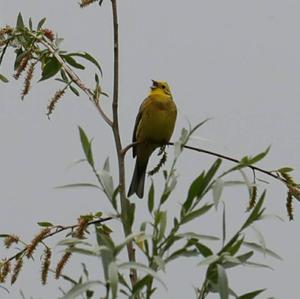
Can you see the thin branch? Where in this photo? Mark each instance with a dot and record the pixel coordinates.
(211, 153)
(59, 229)
(74, 77)
(125, 205)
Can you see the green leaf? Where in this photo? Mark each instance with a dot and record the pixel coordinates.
(50, 69)
(20, 22)
(151, 197)
(222, 283)
(128, 239)
(86, 146)
(217, 190)
(41, 23)
(285, 169)
(30, 24)
(45, 224)
(256, 212)
(106, 257)
(141, 267)
(88, 57)
(180, 253)
(97, 251)
(258, 157)
(196, 127)
(79, 289)
(74, 90)
(192, 235)
(262, 249)
(243, 258)
(195, 214)
(162, 225)
(193, 191)
(72, 242)
(107, 182)
(140, 284)
(3, 79)
(200, 186)
(78, 185)
(113, 279)
(251, 295)
(71, 61)
(203, 249)
(209, 260)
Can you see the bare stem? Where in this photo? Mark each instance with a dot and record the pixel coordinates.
(125, 205)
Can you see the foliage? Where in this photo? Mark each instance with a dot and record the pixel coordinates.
(162, 238)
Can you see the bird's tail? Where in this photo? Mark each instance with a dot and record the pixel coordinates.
(138, 179)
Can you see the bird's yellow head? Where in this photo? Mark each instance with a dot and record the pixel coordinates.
(162, 86)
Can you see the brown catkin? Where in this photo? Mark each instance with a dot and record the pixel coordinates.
(22, 66)
(85, 3)
(16, 270)
(9, 240)
(51, 106)
(46, 265)
(82, 225)
(5, 30)
(27, 81)
(37, 239)
(5, 270)
(61, 264)
(48, 33)
(289, 206)
(252, 200)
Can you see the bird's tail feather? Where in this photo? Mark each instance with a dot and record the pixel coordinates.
(138, 179)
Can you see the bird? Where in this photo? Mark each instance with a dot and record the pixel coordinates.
(154, 126)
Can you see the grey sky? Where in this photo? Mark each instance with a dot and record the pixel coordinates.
(235, 61)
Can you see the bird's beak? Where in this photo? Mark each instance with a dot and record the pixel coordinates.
(154, 84)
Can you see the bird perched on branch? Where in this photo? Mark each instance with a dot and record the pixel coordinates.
(153, 128)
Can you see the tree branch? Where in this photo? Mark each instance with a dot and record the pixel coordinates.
(58, 229)
(211, 153)
(74, 77)
(125, 205)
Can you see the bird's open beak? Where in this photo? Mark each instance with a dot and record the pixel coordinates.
(154, 84)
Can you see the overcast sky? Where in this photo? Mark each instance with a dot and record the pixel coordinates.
(235, 61)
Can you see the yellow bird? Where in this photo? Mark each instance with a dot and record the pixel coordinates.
(153, 128)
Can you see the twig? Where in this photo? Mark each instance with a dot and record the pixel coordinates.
(74, 77)
(211, 153)
(58, 230)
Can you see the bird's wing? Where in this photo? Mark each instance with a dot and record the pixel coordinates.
(137, 123)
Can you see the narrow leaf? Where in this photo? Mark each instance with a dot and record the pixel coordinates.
(3, 79)
(141, 267)
(151, 197)
(20, 22)
(41, 23)
(79, 289)
(222, 283)
(86, 146)
(217, 190)
(209, 260)
(50, 69)
(113, 279)
(88, 57)
(197, 213)
(251, 295)
(263, 250)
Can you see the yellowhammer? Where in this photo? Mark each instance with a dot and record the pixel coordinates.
(153, 127)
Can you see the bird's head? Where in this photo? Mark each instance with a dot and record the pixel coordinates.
(162, 86)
